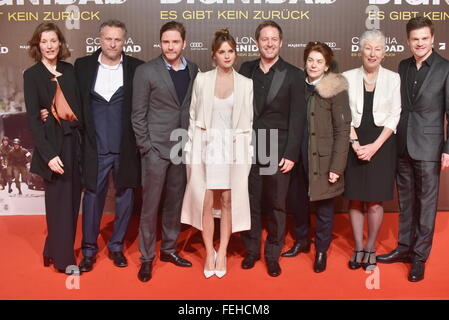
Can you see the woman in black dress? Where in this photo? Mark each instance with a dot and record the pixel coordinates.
(375, 101)
(51, 84)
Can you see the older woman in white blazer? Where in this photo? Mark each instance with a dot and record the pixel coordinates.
(219, 152)
(375, 102)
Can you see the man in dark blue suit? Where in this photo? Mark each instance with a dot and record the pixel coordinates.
(105, 82)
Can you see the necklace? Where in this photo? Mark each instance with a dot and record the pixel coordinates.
(370, 83)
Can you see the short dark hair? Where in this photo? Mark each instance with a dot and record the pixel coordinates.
(418, 23)
(34, 50)
(174, 25)
(221, 36)
(268, 23)
(114, 23)
(321, 48)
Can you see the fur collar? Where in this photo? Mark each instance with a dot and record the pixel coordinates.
(331, 85)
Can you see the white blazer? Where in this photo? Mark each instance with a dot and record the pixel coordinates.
(386, 102)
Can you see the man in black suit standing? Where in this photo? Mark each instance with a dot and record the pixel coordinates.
(161, 102)
(105, 80)
(421, 147)
(279, 105)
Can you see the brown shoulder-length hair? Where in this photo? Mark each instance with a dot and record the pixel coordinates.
(222, 36)
(34, 50)
(321, 48)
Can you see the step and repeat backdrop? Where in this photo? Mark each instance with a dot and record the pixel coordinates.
(339, 23)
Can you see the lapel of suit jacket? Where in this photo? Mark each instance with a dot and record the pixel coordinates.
(238, 100)
(51, 85)
(126, 74)
(403, 73)
(90, 74)
(276, 83)
(192, 76)
(359, 89)
(426, 81)
(167, 78)
(209, 93)
(253, 67)
(380, 89)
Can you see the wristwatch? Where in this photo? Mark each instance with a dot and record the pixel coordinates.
(351, 141)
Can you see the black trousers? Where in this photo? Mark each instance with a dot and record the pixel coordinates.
(277, 188)
(62, 203)
(300, 205)
(298, 201)
(159, 175)
(417, 184)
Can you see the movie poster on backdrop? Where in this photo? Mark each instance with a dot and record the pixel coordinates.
(339, 23)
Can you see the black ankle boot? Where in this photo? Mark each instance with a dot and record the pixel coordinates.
(320, 262)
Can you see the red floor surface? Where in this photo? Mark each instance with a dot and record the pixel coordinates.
(22, 275)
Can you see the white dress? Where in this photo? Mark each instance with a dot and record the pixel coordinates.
(219, 145)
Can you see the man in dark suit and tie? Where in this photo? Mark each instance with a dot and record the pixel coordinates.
(279, 106)
(161, 102)
(422, 150)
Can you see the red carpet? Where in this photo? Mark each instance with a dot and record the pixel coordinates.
(22, 275)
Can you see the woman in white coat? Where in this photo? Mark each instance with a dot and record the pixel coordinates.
(219, 152)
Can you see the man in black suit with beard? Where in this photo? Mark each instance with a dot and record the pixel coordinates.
(422, 150)
(279, 104)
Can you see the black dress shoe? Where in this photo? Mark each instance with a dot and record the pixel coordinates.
(417, 271)
(301, 246)
(48, 261)
(87, 264)
(249, 261)
(144, 274)
(320, 262)
(175, 259)
(118, 258)
(394, 256)
(274, 269)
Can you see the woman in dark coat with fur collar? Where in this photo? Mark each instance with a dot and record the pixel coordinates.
(324, 153)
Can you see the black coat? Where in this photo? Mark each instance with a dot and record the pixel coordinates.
(129, 172)
(39, 91)
(285, 107)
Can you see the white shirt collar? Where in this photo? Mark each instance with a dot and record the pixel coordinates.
(182, 66)
(107, 66)
(314, 83)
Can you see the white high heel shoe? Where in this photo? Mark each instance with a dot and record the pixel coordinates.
(221, 273)
(210, 273)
